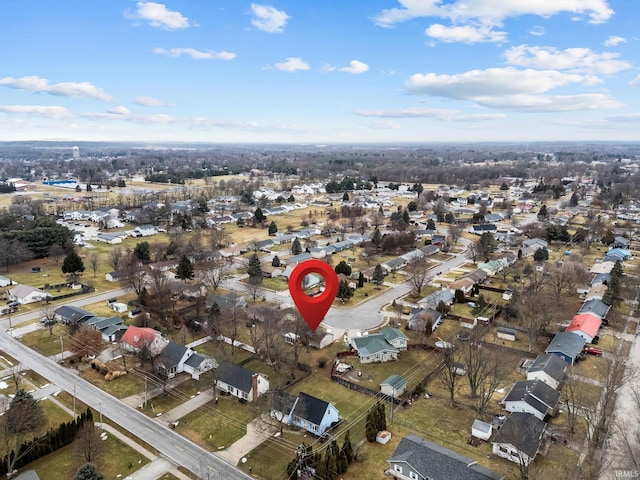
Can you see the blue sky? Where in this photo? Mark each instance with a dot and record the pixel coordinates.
(311, 71)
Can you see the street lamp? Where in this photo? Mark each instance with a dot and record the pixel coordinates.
(100, 408)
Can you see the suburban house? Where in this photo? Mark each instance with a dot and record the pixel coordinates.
(241, 382)
(534, 397)
(548, 368)
(198, 364)
(419, 459)
(374, 348)
(282, 405)
(145, 231)
(111, 328)
(530, 246)
(395, 337)
(111, 238)
(4, 281)
(175, 359)
(519, 439)
(226, 301)
(567, 345)
(596, 292)
(595, 307)
(313, 414)
(67, 314)
(136, 338)
(586, 325)
(433, 300)
(24, 294)
(394, 386)
(421, 318)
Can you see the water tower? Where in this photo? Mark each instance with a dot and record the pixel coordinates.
(75, 152)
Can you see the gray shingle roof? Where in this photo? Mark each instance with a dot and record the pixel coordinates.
(597, 307)
(523, 431)
(567, 343)
(550, 364)
(72, 314)
(195, 360)
(236, 376)
(438, 463)
(172, 354)
(536, 393)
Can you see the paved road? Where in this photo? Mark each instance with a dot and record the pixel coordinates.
(171, 445)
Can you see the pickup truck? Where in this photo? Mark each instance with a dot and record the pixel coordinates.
(592, 351)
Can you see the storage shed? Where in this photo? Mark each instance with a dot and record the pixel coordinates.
(506, 334)
(481, 430)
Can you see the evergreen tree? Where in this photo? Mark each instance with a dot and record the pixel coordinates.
(345, 197)
(342, 463)
(378, 275)
(88, 471)
(72, 264)
(296, 248)
(254, 270)
(276, 261)
(381, 417)
(343, 267)
(142, 252)
(376, 238)
(347, 449)
(370, 427)
(184, 271)
(541, 254)
(273, 228)
(459, 296)
(345, 292)
(406, 217)
(259, 216)
(332, 465)
(431, 225)
(360, 280)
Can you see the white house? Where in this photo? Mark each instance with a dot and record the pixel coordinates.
(24, 294)
(533, 397)
(519, 439)
(241, 382)
(548, 368)
(394, 386)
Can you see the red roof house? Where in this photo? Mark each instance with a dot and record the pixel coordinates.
(136, 338)
(586, 325)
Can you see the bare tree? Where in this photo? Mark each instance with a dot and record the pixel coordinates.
(417, 270)
(473, 251)
(159, 292)
(88, 444)
(94, 261)
(133, 273)
(449, 374)
(48, 312)
(15, 372)
(219, 271)
(574, 395)
(86, 341)
(218, 238)
(56, 251)
(115, 255)
(231, 320)
(485, 372)
(455, 232)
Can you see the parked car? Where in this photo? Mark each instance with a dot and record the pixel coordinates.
(592, 351)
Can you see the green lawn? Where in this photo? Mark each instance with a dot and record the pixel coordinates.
(277, 284)
(117, 461)
(120, 387)
(45, 343)
(217, 426)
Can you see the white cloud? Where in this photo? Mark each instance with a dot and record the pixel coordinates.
(355, 67)
(537, 30)
(492, 12)
(465, 34)
(119, 110)
(148, 101)
(635, 82)
(383, 125)
(490, 82)
(550, 103)
(630, 118)
(411, 112)
(195, 54)
(439, 113)
(614, 40)
(65, 89)
(268, 19)
(158, 16)
(39, 110)
(572, 59)
(292, 64)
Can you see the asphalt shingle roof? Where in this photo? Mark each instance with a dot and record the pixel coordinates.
(523, 431)
(236, 376)
(550, 364)
(310, 408)
(438, 463)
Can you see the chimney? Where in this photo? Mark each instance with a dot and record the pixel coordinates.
(254, 385)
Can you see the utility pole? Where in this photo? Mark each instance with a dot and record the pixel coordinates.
(145, 393)
(100, 408)
(61, 350)
(74, 401)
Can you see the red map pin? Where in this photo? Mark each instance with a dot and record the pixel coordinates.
(313, 309)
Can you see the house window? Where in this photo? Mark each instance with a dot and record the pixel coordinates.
(229, 389)
(504, 450)
(314, 427)
(397, 468)
(413, 475)
(244, 395)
